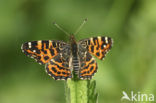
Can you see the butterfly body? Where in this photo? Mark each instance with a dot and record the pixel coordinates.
(75, 61)
(69, 60)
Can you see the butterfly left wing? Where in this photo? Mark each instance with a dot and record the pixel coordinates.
(42, 51)
(97, 46)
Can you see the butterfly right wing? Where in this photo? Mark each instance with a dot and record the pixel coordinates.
(97, 46)
(88, 67)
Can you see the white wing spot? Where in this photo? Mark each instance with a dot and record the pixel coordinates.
(99, 37)
(58, 79)
(34, 51)
(22, 47)
(39, 42)
(29, 44)
(104, 46)
(106, 39)
(40, 63)
(91, 39)
(50, 43)
(49, 74)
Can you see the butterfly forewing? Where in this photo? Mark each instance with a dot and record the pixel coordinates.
(42, 51)
(97, 46)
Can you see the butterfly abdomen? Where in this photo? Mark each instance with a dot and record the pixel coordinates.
(76, 65)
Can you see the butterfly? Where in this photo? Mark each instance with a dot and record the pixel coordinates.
(69, 60)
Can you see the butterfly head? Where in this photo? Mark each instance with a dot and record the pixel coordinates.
(72, 39)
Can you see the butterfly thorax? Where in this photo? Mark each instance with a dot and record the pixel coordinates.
(74, 48)
(75, 57)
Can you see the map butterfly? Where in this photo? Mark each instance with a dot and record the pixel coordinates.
(69, 60)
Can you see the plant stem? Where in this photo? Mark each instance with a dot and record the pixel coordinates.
(80, 91)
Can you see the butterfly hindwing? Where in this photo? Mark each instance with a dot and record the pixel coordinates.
(97, 46)
(88, 67)
(42, 51)
(58, 68)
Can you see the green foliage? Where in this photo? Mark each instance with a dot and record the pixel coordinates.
(130, 65)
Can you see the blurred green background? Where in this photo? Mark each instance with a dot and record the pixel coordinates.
(129, 66)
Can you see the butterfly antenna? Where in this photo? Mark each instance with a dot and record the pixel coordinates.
(61, 28)
(84, 21)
